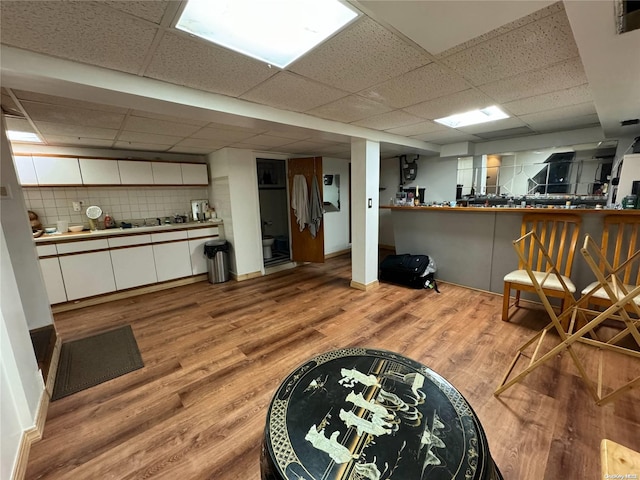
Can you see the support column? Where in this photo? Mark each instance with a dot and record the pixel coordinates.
(365, 183)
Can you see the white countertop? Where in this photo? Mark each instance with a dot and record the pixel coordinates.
(88, 234)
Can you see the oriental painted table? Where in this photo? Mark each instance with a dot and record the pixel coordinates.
(362, 414)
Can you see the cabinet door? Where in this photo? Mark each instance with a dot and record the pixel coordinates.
(53, 280)
(166, 173)
(99, 172)
(135, 173)
(57, 170)
(172, 260)
(25, 170)
(194, 174)
(133, 267)
(198, 258)
(87, 274)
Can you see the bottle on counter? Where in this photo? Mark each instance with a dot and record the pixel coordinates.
(109, 222)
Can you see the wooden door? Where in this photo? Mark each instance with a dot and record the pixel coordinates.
(304, 248)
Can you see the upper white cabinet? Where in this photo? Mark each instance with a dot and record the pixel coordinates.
(135, 173)
(166, 173)
(99, 172)
(194, 174)
(57, 170)
(25, 170)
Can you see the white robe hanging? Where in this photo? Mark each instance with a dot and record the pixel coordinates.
(300, 201)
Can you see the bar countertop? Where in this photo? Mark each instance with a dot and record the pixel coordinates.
(558, 210)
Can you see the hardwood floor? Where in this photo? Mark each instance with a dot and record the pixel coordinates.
(215, 354)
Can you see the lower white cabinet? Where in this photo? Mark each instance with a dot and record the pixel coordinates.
(198, 259)
(172, 260)
(133, 267)
(87, 274)
(53, 280)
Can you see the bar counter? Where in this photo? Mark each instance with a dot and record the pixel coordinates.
(473, 246)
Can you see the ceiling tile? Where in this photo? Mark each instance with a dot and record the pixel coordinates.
(362, 55)
(563, 75)
(8, 105)
(199, 64)
(72, 115)
(152, 147)
(151, 10)
(560, 113)
(349, 109)
(169, 118)
(19, 124)
(222, 134)
(68, 102)
(425, 83)
(534, 46)
(509, 132)
(98, 36)
(292, 92)
(202, 143)
(521, 22)
(137, 137)
(549, 101)
(446, 136)
(62, 140)
(194, 150)
(386, 121)
(512, 122)
(76, 130)
(269, 141)
(159, 127)
(304, 147)
(417, 129)
(225, 126)
(451, 104)
(296, 133)
(546, 126)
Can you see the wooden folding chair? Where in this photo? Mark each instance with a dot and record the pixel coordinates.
(576, 310)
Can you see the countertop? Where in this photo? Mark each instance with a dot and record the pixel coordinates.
(88, 234)
(555, 209)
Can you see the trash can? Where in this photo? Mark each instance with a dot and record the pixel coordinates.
(217, 252)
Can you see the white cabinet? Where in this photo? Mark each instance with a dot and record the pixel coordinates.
(53, 282)
(172, 260)
(133, 266)
(87, 274)
(57, 170)
(25, 170)
(198, 258)
(194, 174)
(99, 172)
(166, 173)
(135, 173)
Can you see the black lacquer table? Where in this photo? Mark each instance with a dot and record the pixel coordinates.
(362, 414)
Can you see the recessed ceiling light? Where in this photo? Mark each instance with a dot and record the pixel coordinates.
(16, 136)
(276, 32)
(473, 117)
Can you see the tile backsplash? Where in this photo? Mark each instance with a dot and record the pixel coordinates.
(122, 203)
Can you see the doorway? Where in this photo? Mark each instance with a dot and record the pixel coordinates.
(274, 211)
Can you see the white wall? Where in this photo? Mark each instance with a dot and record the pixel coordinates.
(336, 224)
(630, 172)
(23, 301)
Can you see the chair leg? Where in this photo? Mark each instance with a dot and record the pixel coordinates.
(505, 302)
(517, 304)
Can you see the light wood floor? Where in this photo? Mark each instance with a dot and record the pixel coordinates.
(214, 355)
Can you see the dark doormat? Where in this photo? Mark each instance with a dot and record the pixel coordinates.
(90, 361)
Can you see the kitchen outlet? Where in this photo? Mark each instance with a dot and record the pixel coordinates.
(77, 206)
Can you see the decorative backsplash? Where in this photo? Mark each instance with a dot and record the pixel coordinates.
(122, 203)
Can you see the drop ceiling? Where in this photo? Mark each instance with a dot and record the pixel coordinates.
(118, 76)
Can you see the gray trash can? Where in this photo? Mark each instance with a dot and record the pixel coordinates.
(217, 252)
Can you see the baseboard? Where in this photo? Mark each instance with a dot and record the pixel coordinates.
(246, 276)
(30, 436)
(387, 247)
(337, 254)
(109, 297)
(362, 286)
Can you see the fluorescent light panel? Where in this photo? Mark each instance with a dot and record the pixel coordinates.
(473, 117)
(276, 32)
(16, 136)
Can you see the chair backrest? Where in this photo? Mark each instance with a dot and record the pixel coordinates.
(619, 242)
(558, 233)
